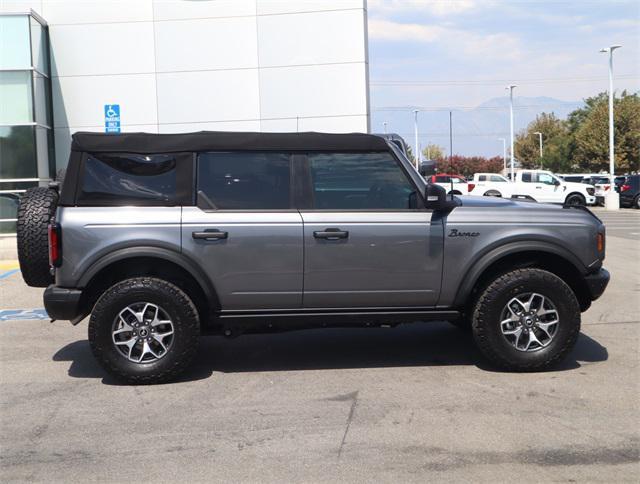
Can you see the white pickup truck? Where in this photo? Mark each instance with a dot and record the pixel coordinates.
(538, 185)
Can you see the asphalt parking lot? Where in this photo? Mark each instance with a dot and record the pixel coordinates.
(413, 404)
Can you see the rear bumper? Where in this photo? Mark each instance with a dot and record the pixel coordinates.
(597, 282)
(63, 303)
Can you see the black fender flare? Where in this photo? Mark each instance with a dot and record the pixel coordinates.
(485, 260)
(153, 252)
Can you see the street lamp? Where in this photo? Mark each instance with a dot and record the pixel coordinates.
(415, 128)
(511, 87)
(540, 138)
(504, 153)
(385, 127)
(612, 199)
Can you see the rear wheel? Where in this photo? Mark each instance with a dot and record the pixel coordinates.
(575, 199)
(144, 330)
(35, 212)
(636, 202)
(526, 320)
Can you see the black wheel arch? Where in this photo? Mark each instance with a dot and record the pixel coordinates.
(538, 254)
(153, 262)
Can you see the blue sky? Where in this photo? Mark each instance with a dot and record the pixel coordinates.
(461, 53)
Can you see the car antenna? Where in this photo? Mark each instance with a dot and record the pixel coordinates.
(450, 155)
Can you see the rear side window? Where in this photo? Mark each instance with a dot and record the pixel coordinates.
(526, 177)
(359, 181)
(482, 178)
(128, 179)
(495, 178)
(245, 181)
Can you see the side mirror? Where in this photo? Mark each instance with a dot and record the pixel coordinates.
(435, 196)
(427, 168)
(556, 182)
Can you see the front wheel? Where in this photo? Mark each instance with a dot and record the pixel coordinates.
(144, 330)
(526, 320)
(576, 199)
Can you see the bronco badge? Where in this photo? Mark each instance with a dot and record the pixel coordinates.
(457, 233)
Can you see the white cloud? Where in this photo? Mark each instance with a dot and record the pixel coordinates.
(472, 44)
(439, 8)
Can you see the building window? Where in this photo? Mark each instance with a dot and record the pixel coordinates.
(26, 140)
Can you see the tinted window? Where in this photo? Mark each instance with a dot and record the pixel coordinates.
(245, 181)
(482, 178)
(359, 181)
(125, 178)
(526, 177)
(443, 178)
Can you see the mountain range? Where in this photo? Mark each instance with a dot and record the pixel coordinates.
(475, 130)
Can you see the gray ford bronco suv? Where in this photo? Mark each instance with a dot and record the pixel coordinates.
(163, 237)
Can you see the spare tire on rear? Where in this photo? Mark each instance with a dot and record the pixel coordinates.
(35, 212)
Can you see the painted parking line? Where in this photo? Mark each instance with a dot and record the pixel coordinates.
(6, 274)
(23, 314)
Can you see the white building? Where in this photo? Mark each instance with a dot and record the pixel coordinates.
(177, 66)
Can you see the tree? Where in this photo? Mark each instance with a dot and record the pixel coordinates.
(555, 141)
(468, 165)
(590, 132)
(433, 152)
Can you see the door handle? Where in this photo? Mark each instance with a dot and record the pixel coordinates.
(331, 234)
(210, 235)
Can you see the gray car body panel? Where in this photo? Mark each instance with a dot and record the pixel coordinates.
(90, 234)
(482, 230)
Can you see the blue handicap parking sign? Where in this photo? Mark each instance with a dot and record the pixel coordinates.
(112, 118)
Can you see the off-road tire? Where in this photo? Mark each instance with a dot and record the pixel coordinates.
(575, 199)
(174, 301)
(35, 212)
(487, 313)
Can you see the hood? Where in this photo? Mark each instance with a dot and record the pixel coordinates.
(486, 202)
(577, 186)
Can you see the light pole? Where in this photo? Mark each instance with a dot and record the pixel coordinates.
(511, 87)
(415, 129)
(540, 138)
(385, 127)
(612, 199)
(504, 153)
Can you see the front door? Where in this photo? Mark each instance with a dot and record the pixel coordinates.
(245, 232)
(367, 241)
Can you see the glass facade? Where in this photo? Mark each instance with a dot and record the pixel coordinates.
(26, 139)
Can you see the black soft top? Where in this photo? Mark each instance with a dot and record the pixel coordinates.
(148, 143)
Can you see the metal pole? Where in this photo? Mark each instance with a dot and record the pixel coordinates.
(450, 141)
(504, 153)
(415, 128)
(385, 127)
(511, 87)
(611, 133)
(612, 198)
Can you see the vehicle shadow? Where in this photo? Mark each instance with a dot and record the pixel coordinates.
(432, 344)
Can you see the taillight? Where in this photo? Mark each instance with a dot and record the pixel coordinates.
(625, 187)
(600, 242)
(470, 186)
(55, 245)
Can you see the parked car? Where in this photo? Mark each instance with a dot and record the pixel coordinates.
(453, 184)
(490, 185)
(630, 191)
(536, 185)
(160, 238)
(601, 183)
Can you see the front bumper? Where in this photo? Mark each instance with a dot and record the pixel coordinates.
(64, 303)
(597, 282)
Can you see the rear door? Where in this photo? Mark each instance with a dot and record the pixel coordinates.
(245, 232)
(368, 242)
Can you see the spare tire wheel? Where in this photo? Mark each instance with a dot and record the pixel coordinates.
(35, 212)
